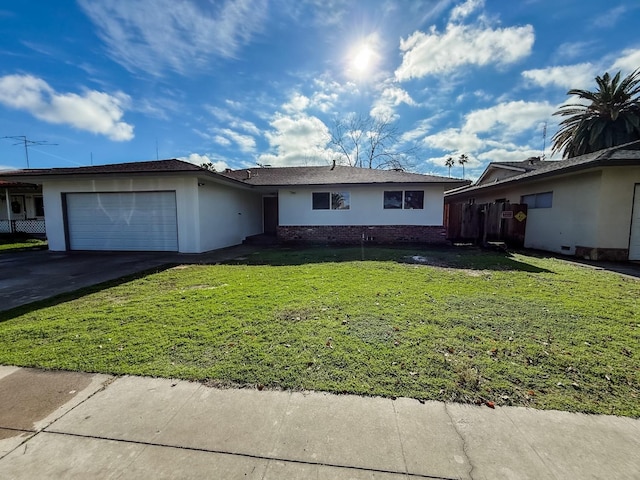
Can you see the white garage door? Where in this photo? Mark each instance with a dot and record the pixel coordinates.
(122, 221)
(634, 243)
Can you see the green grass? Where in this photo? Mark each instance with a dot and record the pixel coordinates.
(12, 243)
(467, 326)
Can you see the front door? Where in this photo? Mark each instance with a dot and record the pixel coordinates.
(17, 207)
(270, 209)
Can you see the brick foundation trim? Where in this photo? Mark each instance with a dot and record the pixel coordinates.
(604, 254)
(351, 235)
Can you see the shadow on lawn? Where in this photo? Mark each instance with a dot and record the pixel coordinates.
(459, 257)
(75, 294)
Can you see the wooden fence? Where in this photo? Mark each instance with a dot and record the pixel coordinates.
(486, 222)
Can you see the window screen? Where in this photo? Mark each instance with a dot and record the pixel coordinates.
(414, 199)
(393, 199)
(320, 200)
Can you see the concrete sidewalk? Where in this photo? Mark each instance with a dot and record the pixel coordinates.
(74, 425)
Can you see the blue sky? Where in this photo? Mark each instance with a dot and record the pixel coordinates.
(241, 82)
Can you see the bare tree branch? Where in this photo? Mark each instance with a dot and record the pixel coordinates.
(367, 142)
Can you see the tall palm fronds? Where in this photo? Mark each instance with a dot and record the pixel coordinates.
(462, 160)
(449, 163)
(610, 117)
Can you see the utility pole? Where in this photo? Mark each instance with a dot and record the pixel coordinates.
(23, 140)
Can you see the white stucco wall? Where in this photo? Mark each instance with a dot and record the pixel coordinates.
(295, 207)
(186, 204)
(227, 215)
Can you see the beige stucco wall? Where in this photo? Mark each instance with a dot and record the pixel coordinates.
(616, 202)
(572, 220)
(591, 209)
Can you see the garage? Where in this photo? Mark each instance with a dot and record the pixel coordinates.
(121, 221)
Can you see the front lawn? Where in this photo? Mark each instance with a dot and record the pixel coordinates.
(17, 242)
(453, 325)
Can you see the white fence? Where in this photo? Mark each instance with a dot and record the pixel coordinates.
(22, 226)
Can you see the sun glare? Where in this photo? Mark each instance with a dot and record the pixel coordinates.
(362, 59)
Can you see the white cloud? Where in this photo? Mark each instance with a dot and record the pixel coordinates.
(92, 111)
(611, 17)
(297, 104)
(391, 97)
(198, 159)
(233, 121)
(571, 50)
(455, 140)
(567, 76)
(324, 101)
(422, 127)
(460, 45)
(246, 143)
(465, 9)
(515, 154)
(628, 62)
(511, 117)
(152, 35)
(327, 92)
(297, 140)
(220, 140)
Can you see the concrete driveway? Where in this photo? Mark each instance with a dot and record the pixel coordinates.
(27, 277)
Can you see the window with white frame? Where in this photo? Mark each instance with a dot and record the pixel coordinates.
(331, 201)
(403, 199)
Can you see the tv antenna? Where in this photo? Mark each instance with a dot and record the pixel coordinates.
(23, 140)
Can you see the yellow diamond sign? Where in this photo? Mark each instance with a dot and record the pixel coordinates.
(520, 216)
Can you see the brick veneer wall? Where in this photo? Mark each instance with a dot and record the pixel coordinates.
(347, 234)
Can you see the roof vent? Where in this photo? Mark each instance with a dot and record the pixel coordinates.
(333, 165)
(248, 174)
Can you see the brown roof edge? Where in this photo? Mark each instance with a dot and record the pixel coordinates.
(602, 160)
(154, 167)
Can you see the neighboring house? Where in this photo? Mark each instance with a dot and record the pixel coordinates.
(21, 208)
(171, 205)
(587, 206)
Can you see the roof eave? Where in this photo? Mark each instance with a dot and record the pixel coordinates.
(599, 162)
(40, 177)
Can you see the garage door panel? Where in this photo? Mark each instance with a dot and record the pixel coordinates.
(122, 221)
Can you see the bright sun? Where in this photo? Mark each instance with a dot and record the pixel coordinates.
(362, 59)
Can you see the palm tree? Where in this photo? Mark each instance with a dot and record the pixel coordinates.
(610, 117)
(449, 162)
(462, 160)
